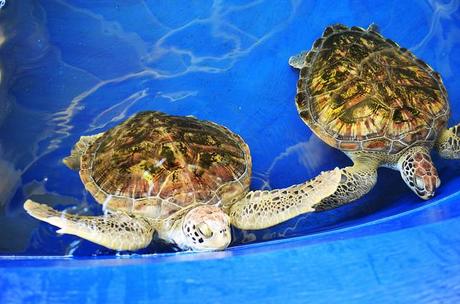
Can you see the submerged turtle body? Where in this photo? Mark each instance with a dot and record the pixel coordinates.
(364, 95)
(177, 179)
(361, 92)
(156, 164)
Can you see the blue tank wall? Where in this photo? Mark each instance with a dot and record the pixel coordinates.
(72, 68)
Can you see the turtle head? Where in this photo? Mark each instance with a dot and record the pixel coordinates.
(206, 228)
(419, 172)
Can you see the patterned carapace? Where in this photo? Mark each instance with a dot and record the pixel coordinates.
(360, 91)
(154, 155)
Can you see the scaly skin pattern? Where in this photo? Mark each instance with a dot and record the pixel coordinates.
(355, 181)
(118, 231)
(262, 209)
(419, 173)
(361, 92)
(414, 164)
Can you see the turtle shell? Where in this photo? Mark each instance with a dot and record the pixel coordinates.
(157, 164)
(361, 92)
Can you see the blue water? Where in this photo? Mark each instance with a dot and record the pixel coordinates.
(72, 68)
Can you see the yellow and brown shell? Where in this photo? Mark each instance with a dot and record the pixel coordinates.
(157, 164)
(361, 92)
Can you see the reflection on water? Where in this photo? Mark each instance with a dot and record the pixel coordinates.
(76, 68)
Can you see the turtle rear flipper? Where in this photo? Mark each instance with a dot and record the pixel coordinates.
(118, 231)
(73, 160)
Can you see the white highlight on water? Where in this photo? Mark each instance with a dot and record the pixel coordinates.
(73, 247)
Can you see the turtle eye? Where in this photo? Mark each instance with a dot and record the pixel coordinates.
(205, 230)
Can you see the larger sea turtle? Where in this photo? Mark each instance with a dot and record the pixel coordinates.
(180, 179)
(378, 103)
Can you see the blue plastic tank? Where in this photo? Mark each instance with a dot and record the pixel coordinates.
(72, 68)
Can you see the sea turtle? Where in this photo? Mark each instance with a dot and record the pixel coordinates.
(364, 95)
(180, 179)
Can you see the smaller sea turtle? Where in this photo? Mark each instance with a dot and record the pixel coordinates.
(180, 179)
(363, 94)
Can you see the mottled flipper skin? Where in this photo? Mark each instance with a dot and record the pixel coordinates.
(118, 231)
(262, 209)
(355, 181)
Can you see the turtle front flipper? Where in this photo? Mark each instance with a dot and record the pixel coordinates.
(262, 209)
(73, 160)
(448, 144)
(118, 231)
(355, 181)
(331, 189)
